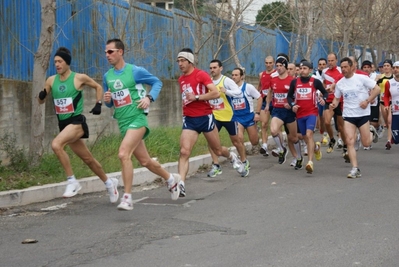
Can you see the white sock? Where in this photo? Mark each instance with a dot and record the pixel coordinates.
(181, 182)
(71, 178)
(108, 183)
(128, 196)
(171, 180)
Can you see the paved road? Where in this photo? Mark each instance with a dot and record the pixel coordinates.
(275, 217)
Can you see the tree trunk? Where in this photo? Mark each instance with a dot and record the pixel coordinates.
(40, 66)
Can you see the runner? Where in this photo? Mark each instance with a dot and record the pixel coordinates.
(382, 79)
(223, 112)
(391, 98)
(282, 113)
(244, 107)
(197, 89)
(66, 89)
(263, 87)
(331, 76)
(124, 90)
(303, 99)
(358, 91)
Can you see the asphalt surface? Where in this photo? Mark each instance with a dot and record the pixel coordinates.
(277, 216)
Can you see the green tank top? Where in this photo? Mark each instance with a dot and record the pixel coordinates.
(125, 92)
(68, 101)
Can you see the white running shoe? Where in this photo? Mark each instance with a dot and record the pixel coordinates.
(375, 134)
(72, 189)
(263, 150)
(380, 131)
(174, 189)
(235, 161)
(355, 173)
(126, 204)
(293, 162)
(340, 144)
(113, 191)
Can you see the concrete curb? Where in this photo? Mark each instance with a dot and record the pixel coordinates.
(93, 184)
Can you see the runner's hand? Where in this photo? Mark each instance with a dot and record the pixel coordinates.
(97, 109)
(43, 94)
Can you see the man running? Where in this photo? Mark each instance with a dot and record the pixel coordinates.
(358, 92)
(331, 76)
(223, 112)
(197, 89)
(124, 90)
(66, 89)
(282, 113)
(391, 99)
(263, 87)
(244, 107)
(302, 96)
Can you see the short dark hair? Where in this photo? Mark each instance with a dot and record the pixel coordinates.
(217, 61)
(322, 58)
(240, 69)
(118, 44)
(347, 59)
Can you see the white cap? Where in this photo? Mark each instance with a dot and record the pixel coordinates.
(396, 64)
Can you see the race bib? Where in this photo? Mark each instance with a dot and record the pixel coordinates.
(186, 89)
(304, 93)
(121, 98)
(239, 103)
(281, 98)
(217, 104)
(64, 105)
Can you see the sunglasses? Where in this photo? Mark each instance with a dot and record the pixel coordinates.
(110, 51)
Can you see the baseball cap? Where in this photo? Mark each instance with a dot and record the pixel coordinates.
(396, 64)
(388, 61)
(381, 64)
(366, 63)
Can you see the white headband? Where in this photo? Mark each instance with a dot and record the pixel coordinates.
(187, 55)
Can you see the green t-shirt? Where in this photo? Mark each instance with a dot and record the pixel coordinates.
(68, 101)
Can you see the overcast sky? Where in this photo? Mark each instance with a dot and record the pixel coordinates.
(252, 11)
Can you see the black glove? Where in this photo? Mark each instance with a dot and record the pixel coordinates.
(42, 94)
(97, 109)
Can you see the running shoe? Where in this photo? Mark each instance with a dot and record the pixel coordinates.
(357, 142)
(282, 156)
(380, 131)
(174, 188)
(345, 155)
(72, 189)
(247, 164)
(388, 145)
(324, 141)
(331, 145)
(317, 153)
(245, 171)
(275, 152)
(355, 173)
(113, 191)
(293, 162)
(126, 204)
(367, 147)
(263, 150)
(340, 144)
(182, 190)
(309, 167)
(375, 134)
(235, 160)
(305, 150)
(298, 165)
(215, 170)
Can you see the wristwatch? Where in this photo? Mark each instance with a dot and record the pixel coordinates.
(150, 98)
(196, 97)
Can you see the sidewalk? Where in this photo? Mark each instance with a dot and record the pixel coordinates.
(93, 184)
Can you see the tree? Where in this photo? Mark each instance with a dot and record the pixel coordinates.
(40, 66)
(275, 15)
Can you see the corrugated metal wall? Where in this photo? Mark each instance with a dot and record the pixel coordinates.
(152, 36)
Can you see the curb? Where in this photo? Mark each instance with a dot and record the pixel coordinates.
(93, 184)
